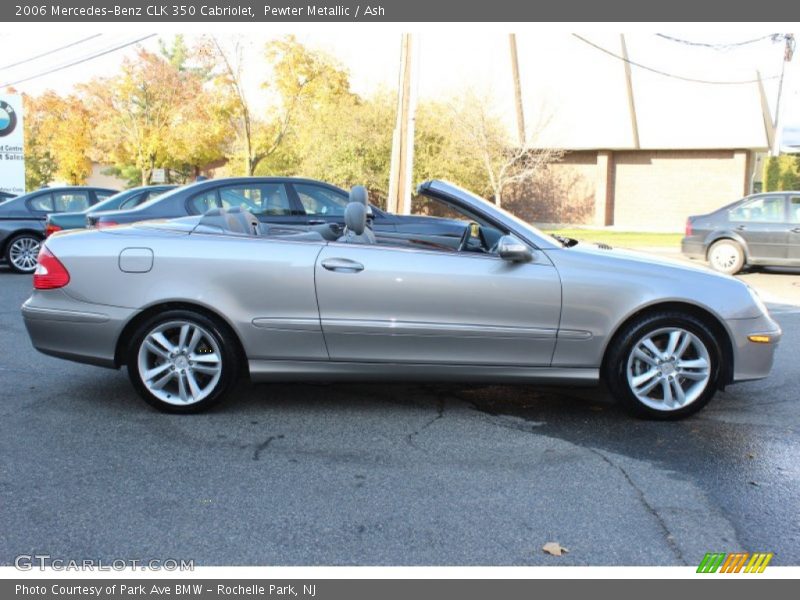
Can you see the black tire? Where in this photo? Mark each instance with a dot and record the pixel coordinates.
(732, 257)
(25, 239)
(218, 334)
(616, 364)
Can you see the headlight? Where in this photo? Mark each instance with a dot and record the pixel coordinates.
(758, 301)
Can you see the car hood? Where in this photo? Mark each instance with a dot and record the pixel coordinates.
(625, 256)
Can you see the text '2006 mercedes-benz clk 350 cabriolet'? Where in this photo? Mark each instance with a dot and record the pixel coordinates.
(193, 304)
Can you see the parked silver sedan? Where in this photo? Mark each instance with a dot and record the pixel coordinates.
(192, 305)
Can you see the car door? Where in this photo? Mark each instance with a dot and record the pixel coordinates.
(793, 246)
(762, 224)
(402, 305)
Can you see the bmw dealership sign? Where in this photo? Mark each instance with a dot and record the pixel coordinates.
(12, 160)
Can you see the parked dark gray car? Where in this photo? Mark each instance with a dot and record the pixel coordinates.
(6, 196)
(278, 201)
(22, 220)
(762, 229)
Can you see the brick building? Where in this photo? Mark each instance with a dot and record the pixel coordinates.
(643, 151)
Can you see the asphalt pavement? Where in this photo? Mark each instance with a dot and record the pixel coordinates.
(338, 474)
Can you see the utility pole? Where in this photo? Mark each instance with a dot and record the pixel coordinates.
(402, 165)
(629, 87)
(788, 53)
(512, 40)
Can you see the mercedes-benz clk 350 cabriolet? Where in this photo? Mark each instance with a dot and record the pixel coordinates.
(192, 305)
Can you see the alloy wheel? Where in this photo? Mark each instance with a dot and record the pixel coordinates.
(668, 369)
(24, 252)
(180, 362)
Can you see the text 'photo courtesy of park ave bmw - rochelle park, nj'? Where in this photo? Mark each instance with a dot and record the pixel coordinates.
(314, 297)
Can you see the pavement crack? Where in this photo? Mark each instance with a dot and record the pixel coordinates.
(264, 445)
(670, 539)
(439, 414)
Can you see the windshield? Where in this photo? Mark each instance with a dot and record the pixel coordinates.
(490, 207)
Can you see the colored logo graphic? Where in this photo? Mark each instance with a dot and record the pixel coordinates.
(744, 562)
(8, 118)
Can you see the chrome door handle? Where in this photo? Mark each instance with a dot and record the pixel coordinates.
(342, 265)
(796, 230)
(317, 221)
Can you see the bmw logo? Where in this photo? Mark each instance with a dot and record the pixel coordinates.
(8, 118)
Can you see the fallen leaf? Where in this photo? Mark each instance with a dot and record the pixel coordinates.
(554, 548)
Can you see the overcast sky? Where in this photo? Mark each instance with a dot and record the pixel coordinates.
(555, 66)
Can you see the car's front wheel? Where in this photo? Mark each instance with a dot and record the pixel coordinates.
(22, 252)
(664, 366)
(726, 256)
(181, 361)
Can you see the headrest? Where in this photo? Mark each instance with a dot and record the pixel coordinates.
(355, 217)
(358, 193)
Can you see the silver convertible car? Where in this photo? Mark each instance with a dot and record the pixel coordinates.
(193, 305)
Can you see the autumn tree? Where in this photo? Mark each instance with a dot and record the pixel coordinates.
(299, 80)
(40, 164)
(156, 113)
(58, 140)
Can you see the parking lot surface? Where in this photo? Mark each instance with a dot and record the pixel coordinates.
(391, 474)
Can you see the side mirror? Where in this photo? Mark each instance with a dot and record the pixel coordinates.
(512, 249)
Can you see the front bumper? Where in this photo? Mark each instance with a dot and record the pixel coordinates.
(61, 326)
(753, 360)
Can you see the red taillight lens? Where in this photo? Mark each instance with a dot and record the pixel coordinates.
(101, 224)
(50, 228)
(688, 227)
(50, 273)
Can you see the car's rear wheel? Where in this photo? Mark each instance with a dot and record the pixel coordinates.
(726, 256)
(664, 366)
(182, 361)
(22, 252)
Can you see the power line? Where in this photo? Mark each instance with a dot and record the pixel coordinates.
(78, 62)
(723, 47)
(49, 52)
(672, 75)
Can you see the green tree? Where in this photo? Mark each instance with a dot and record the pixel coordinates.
(781, 173)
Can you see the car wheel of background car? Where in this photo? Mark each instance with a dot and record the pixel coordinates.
(726, 256)
(181, 361)
(664, 366)
(22, 252)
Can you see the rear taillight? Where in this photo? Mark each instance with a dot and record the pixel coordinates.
(50, 229)
(688, 227)
(50, 273)
(101, 224)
